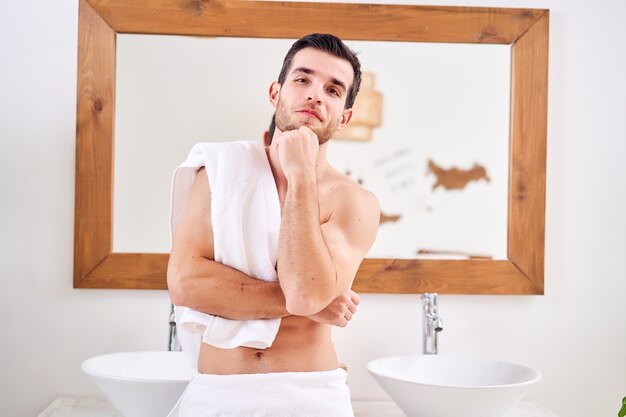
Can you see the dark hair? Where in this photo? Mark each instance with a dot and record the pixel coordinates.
(271, 129)
(334, 46)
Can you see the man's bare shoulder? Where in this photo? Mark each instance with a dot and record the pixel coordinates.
(353, 219)
(348, 193)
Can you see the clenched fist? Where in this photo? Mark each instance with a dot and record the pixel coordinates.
(340, 311)
(297, 152)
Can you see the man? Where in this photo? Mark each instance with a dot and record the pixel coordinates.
(328, 223)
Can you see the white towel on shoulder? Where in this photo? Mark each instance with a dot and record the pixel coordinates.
(245, 215)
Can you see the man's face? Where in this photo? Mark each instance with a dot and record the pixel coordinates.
(314, 94)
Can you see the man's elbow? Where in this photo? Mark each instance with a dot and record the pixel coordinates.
(177, 297)
(302, 308)
(306, 301)
(175, 287)
(304, 304)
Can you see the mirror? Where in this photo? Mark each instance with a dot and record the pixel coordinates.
(441, 106)
(123, 95)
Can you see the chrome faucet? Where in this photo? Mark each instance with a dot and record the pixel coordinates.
(174, 344)
(432, 323)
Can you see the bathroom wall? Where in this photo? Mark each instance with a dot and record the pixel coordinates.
(575, 334)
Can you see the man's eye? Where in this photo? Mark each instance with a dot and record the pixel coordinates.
(334, 91)
(300, 80)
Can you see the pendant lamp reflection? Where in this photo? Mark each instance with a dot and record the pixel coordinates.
(367, 112)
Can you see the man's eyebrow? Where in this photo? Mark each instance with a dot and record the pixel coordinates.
(309, 71)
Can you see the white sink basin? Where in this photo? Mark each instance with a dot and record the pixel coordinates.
(140, 384)
(447, 386)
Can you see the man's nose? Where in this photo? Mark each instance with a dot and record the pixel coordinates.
(314, 94)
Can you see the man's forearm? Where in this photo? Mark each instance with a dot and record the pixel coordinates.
(305, 267)
(214, 288)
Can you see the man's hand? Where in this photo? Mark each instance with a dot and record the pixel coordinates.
(297, 152)
(340, 311)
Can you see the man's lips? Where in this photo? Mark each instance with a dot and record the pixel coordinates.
(311, 112)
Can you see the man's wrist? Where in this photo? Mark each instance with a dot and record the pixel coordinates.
(302, 179)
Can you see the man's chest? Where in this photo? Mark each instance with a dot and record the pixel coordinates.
(327, 198)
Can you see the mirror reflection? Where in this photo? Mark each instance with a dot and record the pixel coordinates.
(431, 138)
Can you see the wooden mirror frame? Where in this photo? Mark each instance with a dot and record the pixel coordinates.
(526, 30)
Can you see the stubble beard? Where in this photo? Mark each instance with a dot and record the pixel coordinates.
(284, 124)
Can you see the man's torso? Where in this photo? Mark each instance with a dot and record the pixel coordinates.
(301, 345)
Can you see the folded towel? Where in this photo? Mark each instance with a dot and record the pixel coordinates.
(245, 215)
(283, 394)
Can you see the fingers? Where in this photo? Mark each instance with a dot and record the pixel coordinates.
(351, 308)
(297, 135)
(306, 130)
(353, 301)
(348, 315)
(354, 297)
(297, 152)
(350, 311)
(341, 310)
(343, 321)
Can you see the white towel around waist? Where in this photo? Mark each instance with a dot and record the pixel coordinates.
(245, 215)
(282, 394)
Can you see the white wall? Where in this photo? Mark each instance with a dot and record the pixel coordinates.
(575, 334)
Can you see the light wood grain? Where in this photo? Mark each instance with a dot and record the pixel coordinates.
(292, 20)
(93, 208)
(529, 123)
(443, 276)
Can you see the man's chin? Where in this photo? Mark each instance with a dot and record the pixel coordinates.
(322, 134)
(298, 125)
(289, 128)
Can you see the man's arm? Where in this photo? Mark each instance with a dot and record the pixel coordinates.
(195, 280)
(317, 263)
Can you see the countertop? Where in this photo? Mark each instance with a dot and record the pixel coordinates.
(94, 407)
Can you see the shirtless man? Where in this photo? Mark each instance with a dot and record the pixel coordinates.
(328, 223)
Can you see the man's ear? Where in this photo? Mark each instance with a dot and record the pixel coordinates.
(345, 118)
(274, 93)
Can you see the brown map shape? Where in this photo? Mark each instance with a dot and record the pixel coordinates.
(454, 178)
(384, 218)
